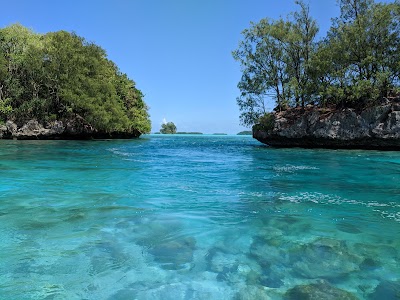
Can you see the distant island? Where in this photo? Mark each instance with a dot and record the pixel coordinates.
(58, 85)
(182, 132)
(342, 91)
(246, 132)
(168, 128)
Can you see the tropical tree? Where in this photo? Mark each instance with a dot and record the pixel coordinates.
(361, 53)
(275, 57)
(356, 65)
(168, 128)
(59, 75)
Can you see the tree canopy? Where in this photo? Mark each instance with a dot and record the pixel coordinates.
(168, 128)
(60, 75)
(356, 64)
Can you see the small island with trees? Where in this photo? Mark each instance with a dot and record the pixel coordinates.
(342, 91)
(168, 128)
(58, 85)
(245, 132)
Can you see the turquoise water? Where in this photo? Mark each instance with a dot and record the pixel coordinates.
(196, 217)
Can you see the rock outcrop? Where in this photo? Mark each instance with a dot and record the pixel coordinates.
(320, 291)
(68, 129)
(376, 127)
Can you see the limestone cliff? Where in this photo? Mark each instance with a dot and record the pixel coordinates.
(67, 129)
(376, 127)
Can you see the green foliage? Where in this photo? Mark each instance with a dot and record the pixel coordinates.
(5, 109)
(168, 128)
(361, 53)
(60, 75)
(275, 58)
(267, 121)
(356, 64)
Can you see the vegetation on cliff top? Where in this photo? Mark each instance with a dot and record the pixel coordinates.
(355, 65)
(60, 75)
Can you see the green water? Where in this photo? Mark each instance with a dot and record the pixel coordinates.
(196, 217)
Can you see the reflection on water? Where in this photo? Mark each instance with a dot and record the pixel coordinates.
(197, 217)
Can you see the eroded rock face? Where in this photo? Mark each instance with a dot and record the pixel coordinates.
(75, 128)
(32, 129)
(374, 128)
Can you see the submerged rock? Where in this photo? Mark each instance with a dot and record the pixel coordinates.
(374, 128)
(123, 295)
(388, 290)
(271, 281)
(348, 227)
(252, 292)
(185, 291)
(223, 262)
(318, 291)
(266, 252)
(174, 255)
(324, 258)
(370, 264)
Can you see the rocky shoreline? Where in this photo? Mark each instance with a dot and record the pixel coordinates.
(72, 129)
(375, 127)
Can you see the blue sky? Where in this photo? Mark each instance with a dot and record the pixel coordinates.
(177, 51)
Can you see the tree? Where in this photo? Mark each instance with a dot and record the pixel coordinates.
(361, 53)
(356, 65)
(59, 75)
(168, 128)
(275, 58)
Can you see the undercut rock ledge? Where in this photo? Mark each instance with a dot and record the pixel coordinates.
(376, 127)
(71, 129)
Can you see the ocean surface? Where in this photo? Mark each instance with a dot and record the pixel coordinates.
(197, 217)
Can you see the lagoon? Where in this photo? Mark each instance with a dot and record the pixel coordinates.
(196, 217)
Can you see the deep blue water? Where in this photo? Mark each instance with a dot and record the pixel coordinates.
(196, 217)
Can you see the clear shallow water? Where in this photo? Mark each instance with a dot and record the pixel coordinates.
(196, 217)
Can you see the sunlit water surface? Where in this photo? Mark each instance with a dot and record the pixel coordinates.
(197, 217)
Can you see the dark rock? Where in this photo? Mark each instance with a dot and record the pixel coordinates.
(388, 290)
(56, 127)
(348, 227)
(374, 128)
(78, 126)
(370, 264)
(272, 282)
(74, 128)
(318, 291)
(30, 130)
(11, 127)
(3, 131)
(324, 258)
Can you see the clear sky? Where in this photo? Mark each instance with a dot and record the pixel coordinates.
(177, 51)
